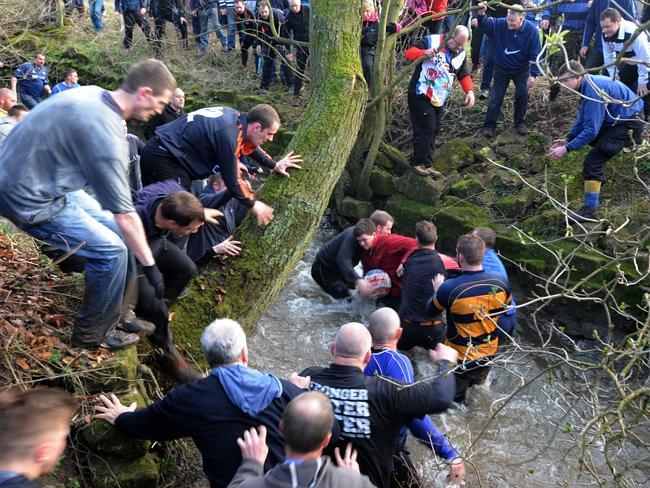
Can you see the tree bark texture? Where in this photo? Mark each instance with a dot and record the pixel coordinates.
(246, 286)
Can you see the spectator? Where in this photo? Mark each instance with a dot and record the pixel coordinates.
(55, 208)
(296, 26)
(517, 45)
(97, 11)
(207, 12)
(472, 302)
(172, 111)
(227, 14)
(426, 8)
(135, 150)
(32, 81)
(34, 428)
(216, 410)
(268, 47)
(306, 424)
(384, 328)
(429, 89)
(245, 22)
(573, 16)
(372, 410)
(7, 100)
(609, 110)
(633, 70)
(592, 47)
(164, 11)
(133, 12)
(70, 79)
(15, 115)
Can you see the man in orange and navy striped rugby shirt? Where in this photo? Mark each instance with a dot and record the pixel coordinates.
(472, 301)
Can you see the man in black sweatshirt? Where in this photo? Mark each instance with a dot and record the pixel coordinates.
(371, 410)
(216, 410)
(296, 26)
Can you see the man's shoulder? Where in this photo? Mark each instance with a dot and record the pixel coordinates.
(313, 371)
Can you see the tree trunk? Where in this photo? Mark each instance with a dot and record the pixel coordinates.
(246, 286)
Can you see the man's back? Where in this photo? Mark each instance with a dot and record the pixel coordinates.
(67, 143)
(387, 254)
(204, 411)
(342, 253)
(371, 411)
(419, 269)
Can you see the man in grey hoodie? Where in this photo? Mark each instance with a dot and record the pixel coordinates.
(306, 424)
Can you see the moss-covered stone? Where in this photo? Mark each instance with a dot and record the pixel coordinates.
(226, 96)
(103, 438)
(114, 472)
(453, 155)
(355, 209)
(514, 206)
(393, 157)
(504, 182)
(548, 222)
(118, 373)
(467, 187)
(382, 182)
(420, 188)
(537, 143)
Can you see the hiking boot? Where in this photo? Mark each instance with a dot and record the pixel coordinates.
(484, 95)
(488, 132)
(521, 129)
(119, 340)
(133, 325)
(584, 215)
(422, 170)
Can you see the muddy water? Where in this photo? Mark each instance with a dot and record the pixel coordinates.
(519, 446)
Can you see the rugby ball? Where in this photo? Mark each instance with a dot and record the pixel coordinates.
(379, 280)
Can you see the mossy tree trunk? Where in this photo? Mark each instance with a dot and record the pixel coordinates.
(246, 286)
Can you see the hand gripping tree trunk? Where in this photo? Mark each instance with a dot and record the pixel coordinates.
(246, 286)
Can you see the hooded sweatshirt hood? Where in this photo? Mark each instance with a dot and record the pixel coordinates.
(251, 390)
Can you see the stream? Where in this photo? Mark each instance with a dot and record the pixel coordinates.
(519, 447)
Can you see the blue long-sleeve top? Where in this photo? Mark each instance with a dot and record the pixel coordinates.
(515, 49)
(627, 8)
(594, 112)
(492, 264)
(390, 363)
(575, 13)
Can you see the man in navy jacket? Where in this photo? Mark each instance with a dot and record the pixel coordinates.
(215, 410)
(517, 46)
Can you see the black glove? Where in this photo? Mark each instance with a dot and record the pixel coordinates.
(391, 28)
(155, 277)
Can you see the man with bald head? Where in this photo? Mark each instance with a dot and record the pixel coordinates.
(385, 330)
(307, 428)
(430, 87)
(370, 411)
(7, 100)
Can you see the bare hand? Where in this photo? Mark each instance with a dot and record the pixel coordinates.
(194, 13)
(116, 14)
(559, 142)
(583, 51)
(301, 382)
(474, 23)
(253, 445)
(263, 213)
(456, 471)
(482, 8)
(443, 353)
(229, 247)
(400, 271)
(289, 161)
(258, 50)
(210, 215)
(437, 281)
(112, 408)
(543, 24)
(349, 461)
(431, 53)
(557, 152)
(290, 57)
(244, 169)
(469, 99)
(642, 89)
(183, 20)
(365, 289)
(143, 11)
(223, 11)
(531, 82)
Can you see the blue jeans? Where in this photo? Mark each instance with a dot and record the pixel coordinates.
(488, 63)
(209, 20)
(229, 20)
(29, 101)
(83, 223)
(501, 80)
(95, 9)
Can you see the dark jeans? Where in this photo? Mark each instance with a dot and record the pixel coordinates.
(477, 40)
(425, 119)
(330, 280)
(160, 30)
(268, 67)
(488, 63)
(131, 19)
(177, 270)
(628, 74)
(433, 26)
(158, 164)
(29, 101)
(594, 59)
(302, 55)
(245, 43)
(502, 79)
(466, 378)
(426, 336)
(368, 63)
(607, 144)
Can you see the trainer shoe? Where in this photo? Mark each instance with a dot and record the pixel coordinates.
(521, 129)
(134, 325)
(484, 95)
(422, 170)
(119, 340)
